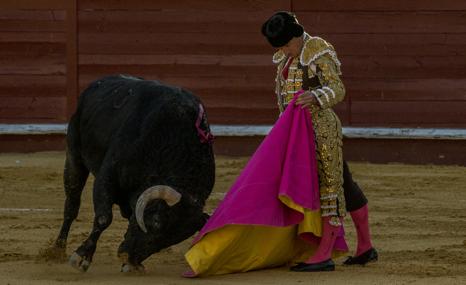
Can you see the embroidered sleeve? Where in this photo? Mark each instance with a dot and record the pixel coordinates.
(333, 90)
(278, 87)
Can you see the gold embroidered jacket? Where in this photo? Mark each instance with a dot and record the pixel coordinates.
(318, 70)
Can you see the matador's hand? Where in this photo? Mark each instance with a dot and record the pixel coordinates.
(306, 100)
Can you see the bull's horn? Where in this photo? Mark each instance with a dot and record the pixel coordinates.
(164, 192)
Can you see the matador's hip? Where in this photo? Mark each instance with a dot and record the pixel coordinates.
(328, 136)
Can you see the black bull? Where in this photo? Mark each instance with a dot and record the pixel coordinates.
(148, 146)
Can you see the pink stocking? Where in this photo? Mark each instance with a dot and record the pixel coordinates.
(329, 235)
(361, 221)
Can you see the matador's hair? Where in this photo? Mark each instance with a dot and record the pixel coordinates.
(281, 28)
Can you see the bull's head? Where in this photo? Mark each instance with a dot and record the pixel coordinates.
(159, 225)
(164, 192)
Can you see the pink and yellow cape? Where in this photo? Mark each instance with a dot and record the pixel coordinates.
(271, 215)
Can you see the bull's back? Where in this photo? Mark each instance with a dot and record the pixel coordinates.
(112, 111)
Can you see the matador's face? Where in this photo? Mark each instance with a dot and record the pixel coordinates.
(293, 47)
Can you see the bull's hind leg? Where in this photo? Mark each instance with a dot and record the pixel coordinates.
(74, 177)
(103, 198)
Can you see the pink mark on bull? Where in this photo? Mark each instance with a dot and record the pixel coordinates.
(205, 136)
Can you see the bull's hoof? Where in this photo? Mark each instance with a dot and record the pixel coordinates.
(129, 268)
(78, 262)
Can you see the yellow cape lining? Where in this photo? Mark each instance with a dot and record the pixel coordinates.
(241, 248)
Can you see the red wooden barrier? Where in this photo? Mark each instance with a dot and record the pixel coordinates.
(404, 62)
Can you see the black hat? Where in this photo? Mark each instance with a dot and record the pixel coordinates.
(281, 28)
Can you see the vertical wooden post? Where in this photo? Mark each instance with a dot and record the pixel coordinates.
(71, 56)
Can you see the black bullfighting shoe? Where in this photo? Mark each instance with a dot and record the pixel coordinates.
(327, 265)
(368, 256)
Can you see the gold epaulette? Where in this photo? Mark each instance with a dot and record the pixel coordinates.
(315, 47)
(278, 57)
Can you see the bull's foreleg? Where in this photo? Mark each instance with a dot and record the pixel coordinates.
(128, 264)
(103, 198)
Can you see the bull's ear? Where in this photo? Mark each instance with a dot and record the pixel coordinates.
(163, 192)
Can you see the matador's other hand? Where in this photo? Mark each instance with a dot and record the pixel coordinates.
(306, 100)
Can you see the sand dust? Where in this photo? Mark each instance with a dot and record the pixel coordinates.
(418, 217)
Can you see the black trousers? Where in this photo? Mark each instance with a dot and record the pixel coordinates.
(354, 197)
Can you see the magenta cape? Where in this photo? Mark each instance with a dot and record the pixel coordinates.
(283, 165)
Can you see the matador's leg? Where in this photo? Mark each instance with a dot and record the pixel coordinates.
(329, 157)
(356, 205)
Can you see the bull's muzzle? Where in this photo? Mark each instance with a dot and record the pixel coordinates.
(163, 192)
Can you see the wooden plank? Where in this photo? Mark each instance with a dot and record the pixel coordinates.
(152, 18)
(346, 44)
(407, 67)
(238, 111)
(216, 94)
(168, 43)
(172, 21)
(253, 101)
(36, 82)
(404, 63)
(52, 64)
(221, 97)
(438, 89)
(33, 4)
(229, 115)
(398, 44)
(36, 37)
(257, 96)
(204, 89)
(216, 106)
(232, 84)
(33, 15)
(378, 5)
(71, 57)
(422, 114)
(354, 68)
(32, 49)
(188, 59)
(32, 109)
(249, 43)
(25, 91)
(32, 86)
(265, 73)
(118, 47)
(33, 143)
(31, 26)
(218, 5)
(384, 22)
(194, 82)
(183, 37)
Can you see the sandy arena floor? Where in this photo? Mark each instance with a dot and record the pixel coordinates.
(418, 217)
